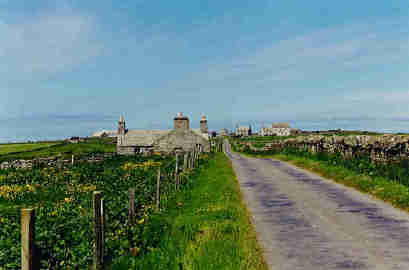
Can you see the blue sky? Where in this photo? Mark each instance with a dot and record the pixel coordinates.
(72, 67)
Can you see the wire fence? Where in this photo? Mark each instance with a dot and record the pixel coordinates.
(100, 220)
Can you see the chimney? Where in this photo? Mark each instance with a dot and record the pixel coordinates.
(121, 126)
(203, 125)
(181, 122)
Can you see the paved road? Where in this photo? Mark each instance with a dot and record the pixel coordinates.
(307, 222)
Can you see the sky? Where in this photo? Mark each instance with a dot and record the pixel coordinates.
(70, 68)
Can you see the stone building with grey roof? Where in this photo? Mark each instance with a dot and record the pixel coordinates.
(243, 131)
(181, 137)
(281, 129)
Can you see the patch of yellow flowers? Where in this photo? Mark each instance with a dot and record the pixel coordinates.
(129, 166)
(81, 188)
(10, 192)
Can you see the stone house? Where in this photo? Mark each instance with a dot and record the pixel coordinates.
(181, 137)
(266, 131)
(243, 131)
(281, 129)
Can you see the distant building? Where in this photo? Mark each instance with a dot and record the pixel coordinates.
(243, 131)
(130, 142)
(105, 133)
(224, 132)
(266, 131)
(281, 129)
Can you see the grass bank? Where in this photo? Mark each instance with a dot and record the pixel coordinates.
(383, 188)
(59, 148)
(21, 147)
(206, 227)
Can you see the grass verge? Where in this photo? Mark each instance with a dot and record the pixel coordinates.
(59, 148)
(380, 187)
(207, 227)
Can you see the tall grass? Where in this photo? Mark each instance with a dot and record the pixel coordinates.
(208, 227)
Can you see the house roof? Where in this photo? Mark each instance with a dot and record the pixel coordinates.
(143, 137)
(148, 137)
(280, 125)
(198, 132)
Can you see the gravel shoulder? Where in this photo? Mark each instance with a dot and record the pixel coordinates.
(305, 221)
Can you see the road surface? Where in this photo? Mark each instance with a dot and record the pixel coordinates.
(304, 221)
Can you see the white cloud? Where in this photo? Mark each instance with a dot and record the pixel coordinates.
(45, 45)
(310, 75)
(353, 48)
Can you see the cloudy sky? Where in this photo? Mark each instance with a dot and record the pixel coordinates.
(72, 67)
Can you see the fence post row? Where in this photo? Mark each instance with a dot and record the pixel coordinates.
(158, 189)
(131, 215)
(98, 230)
(185, 162)
(193, 158)
(177, 171)
(27, 238)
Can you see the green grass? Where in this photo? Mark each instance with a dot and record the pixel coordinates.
(208, 227)
(22, 147)
(64, 149)
(259, 145)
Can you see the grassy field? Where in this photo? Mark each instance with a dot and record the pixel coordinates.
(208, 227)
(61, 148)
(62, 198)
(22, 147)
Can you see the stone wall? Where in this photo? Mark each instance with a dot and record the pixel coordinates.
(53, 161)
(125, 150)
(378, 148)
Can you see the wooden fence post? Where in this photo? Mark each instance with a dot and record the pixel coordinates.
(192, 160)
(98, 230)
(72, 160)
(177, 171)
(185, 162)
(158, 189)
(189, 162)
(27, 238)
(131, 206)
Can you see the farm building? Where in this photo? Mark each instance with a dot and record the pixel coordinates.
(243, 131)
(105, 133)
(181, 137)
(281, 129)
(266, 131)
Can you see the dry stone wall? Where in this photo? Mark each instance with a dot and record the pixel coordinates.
(378, 148)
(52, 161)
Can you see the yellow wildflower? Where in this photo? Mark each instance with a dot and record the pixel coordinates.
(141, 221)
